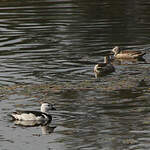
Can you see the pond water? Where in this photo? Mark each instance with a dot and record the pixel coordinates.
(47, 53)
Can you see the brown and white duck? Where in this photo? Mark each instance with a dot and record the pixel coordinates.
(127, 54)
(104, 68)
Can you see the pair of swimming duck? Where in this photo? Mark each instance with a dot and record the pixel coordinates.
(106, 67)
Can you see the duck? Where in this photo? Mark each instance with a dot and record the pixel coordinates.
(104, 68)
(38, 116)
(127, 54)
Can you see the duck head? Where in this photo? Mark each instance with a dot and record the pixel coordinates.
(45, 107)
(116, 50)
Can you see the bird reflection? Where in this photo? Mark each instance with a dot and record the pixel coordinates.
(46, 129)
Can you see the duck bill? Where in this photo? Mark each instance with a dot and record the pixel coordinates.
(53, 108)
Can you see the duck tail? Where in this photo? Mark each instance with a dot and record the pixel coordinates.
(12, 116)
(143, 53)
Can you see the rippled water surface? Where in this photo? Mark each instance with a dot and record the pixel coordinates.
(47, 53)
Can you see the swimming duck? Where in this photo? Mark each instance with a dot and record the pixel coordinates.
(34, 115)
(127, 54)
(104, 68)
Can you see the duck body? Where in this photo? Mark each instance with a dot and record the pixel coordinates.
(127, 54)
(31, 116)
(104, 68)
(34, 115)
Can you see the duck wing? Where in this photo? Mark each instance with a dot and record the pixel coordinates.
(101, 65)
(15, 115)
(133, 52)
(37, 113)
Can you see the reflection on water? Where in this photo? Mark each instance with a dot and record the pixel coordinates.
(46, 129)
(58, 42)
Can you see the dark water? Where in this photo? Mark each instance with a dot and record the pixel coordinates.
(60, 41)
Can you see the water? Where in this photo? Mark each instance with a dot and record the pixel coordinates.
(57, 43)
